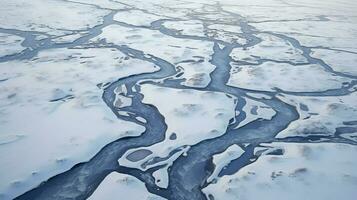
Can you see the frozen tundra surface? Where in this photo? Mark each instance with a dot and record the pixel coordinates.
(122, 185)
(10, 44)
(291, 176)
(178, 99)
(52, 115)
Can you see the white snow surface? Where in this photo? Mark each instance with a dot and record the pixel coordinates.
(321, 171)
(271, 75)
(136, 17)
(189, 27)
(272, 48)
(52, 17)
(339, 61)
(10, 44)
(117, 185)
(173, 50)
(320, 115)
(255, 110)
(327, 23)
(105, 4)
(192, 115)
(221, 160)
(30, 123)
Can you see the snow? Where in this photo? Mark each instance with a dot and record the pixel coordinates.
(131, 17)
(226, 33)
(226, 28)
(340, 61)
(50, 16)
(117, 185)
(162, 175)
(295, 175)
(67, 38)
(338, 35)
(272, 48)
(171, 8)
(258, 95)
(264, 11)
(105, 4)
(271, 75)
(10, 44)
(52, 115)
(34, 117)
(195, 116)
(256, 110)
(223, 159)
(192, 55)
(329, 23)
(189, 27)
(320, 115)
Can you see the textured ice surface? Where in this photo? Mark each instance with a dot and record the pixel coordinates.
(331, 24)
(161, 175)
(271, 75)
(122, 185)
(191, 55)
(320, 115)
(52, 17)
(313, 34)
(221, 160)
(340, 61)
(255, 110)
(131, 17)
(297, 174)
(190, 27)
(195, 116)
(67, 38)
(52, 102)
(106, 4)
(272, 48)
(10, 44)
(226, 95)
(225, 33)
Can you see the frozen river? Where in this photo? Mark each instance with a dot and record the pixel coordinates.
(178, 99)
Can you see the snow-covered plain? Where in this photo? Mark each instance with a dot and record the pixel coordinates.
(191, 55)
(119, 185)
(178, 99)
(209, 111)
(10, 44)
(321, 115)
(305, 171)
(50, 17)
(271, 75)
(52, 114)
